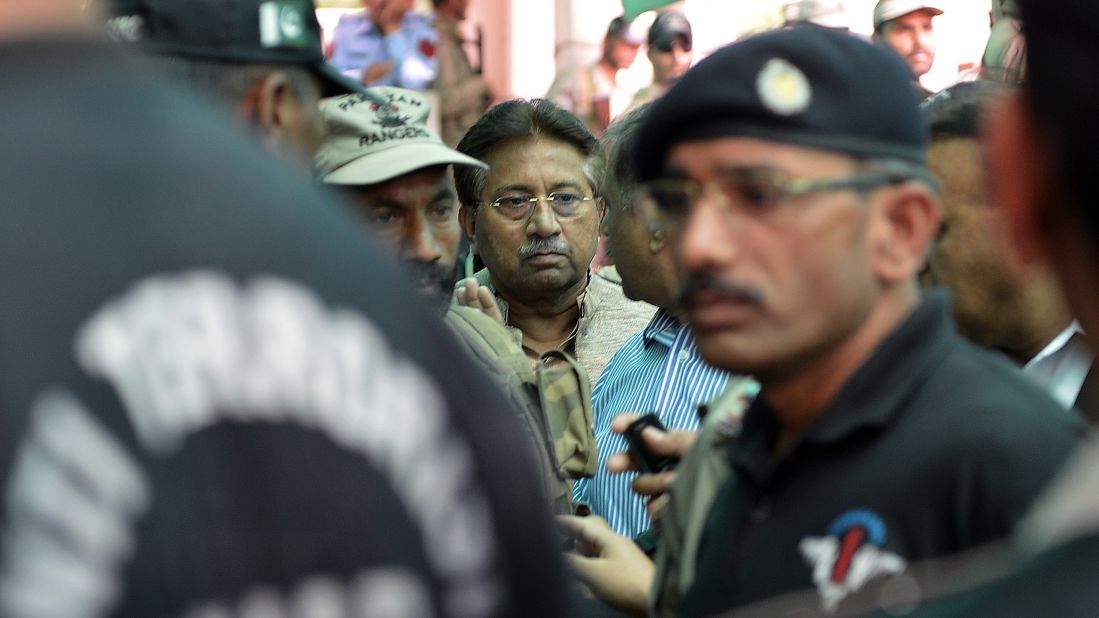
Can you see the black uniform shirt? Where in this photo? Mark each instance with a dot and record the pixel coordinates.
(933, 446)
(215, 397)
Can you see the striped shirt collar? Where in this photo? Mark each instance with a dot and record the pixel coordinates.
(662, 329)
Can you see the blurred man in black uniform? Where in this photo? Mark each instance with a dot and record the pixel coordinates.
(208, 408)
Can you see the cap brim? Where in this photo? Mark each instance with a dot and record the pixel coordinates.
(890, 16)
(387, 164)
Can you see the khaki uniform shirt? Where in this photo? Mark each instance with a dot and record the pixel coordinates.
(607, 320)
(463, 94)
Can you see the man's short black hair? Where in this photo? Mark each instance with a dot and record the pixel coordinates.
(228, 82)
(517, 119)
(956, 111)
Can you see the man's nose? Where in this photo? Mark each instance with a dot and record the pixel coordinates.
(925, 40)
(543, 221)
(420, 242)
(707, 240)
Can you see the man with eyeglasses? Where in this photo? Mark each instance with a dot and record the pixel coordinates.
(670, 45)
(533, 218)
(787, 171)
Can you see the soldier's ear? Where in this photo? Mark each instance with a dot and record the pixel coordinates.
(270, 107)
(903, 224)
(467, 218)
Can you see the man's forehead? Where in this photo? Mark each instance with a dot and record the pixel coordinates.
(533, 158)
(719, 154)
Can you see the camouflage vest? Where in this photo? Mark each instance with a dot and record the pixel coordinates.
(554, 397)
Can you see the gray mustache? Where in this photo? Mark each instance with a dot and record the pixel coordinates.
(553, 244)
(707, 282)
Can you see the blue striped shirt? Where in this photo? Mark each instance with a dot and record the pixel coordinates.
(657, 370)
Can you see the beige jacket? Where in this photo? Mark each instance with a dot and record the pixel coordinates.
(607, 320)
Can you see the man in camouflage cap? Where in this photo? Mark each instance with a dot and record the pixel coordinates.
(396, 172)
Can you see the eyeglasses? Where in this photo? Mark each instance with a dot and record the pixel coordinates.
(665, 204)
(565, 204)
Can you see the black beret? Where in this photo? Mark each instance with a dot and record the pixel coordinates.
(809, 86)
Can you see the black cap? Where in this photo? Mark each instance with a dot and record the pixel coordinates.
(280, 32)
(667, 26)
(808, 86)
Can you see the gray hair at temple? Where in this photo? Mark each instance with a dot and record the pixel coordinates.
(518, 119)
(228, 82)
(619, 175)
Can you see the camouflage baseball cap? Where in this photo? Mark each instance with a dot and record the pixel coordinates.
(370, 142)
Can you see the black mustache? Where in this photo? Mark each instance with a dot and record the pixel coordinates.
(552, 244)
(708, 282)
(432, 280)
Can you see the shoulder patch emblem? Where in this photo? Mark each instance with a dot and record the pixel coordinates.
(783, 88)
(849, 556)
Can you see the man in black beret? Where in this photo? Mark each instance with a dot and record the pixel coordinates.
(787, 173)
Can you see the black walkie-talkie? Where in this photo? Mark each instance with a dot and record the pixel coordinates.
(645, 459)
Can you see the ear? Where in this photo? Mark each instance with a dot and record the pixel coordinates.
(601, 208)
(656, 241)
(269, 107)
(467, 218)
(902, 230)
(1017, 173)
